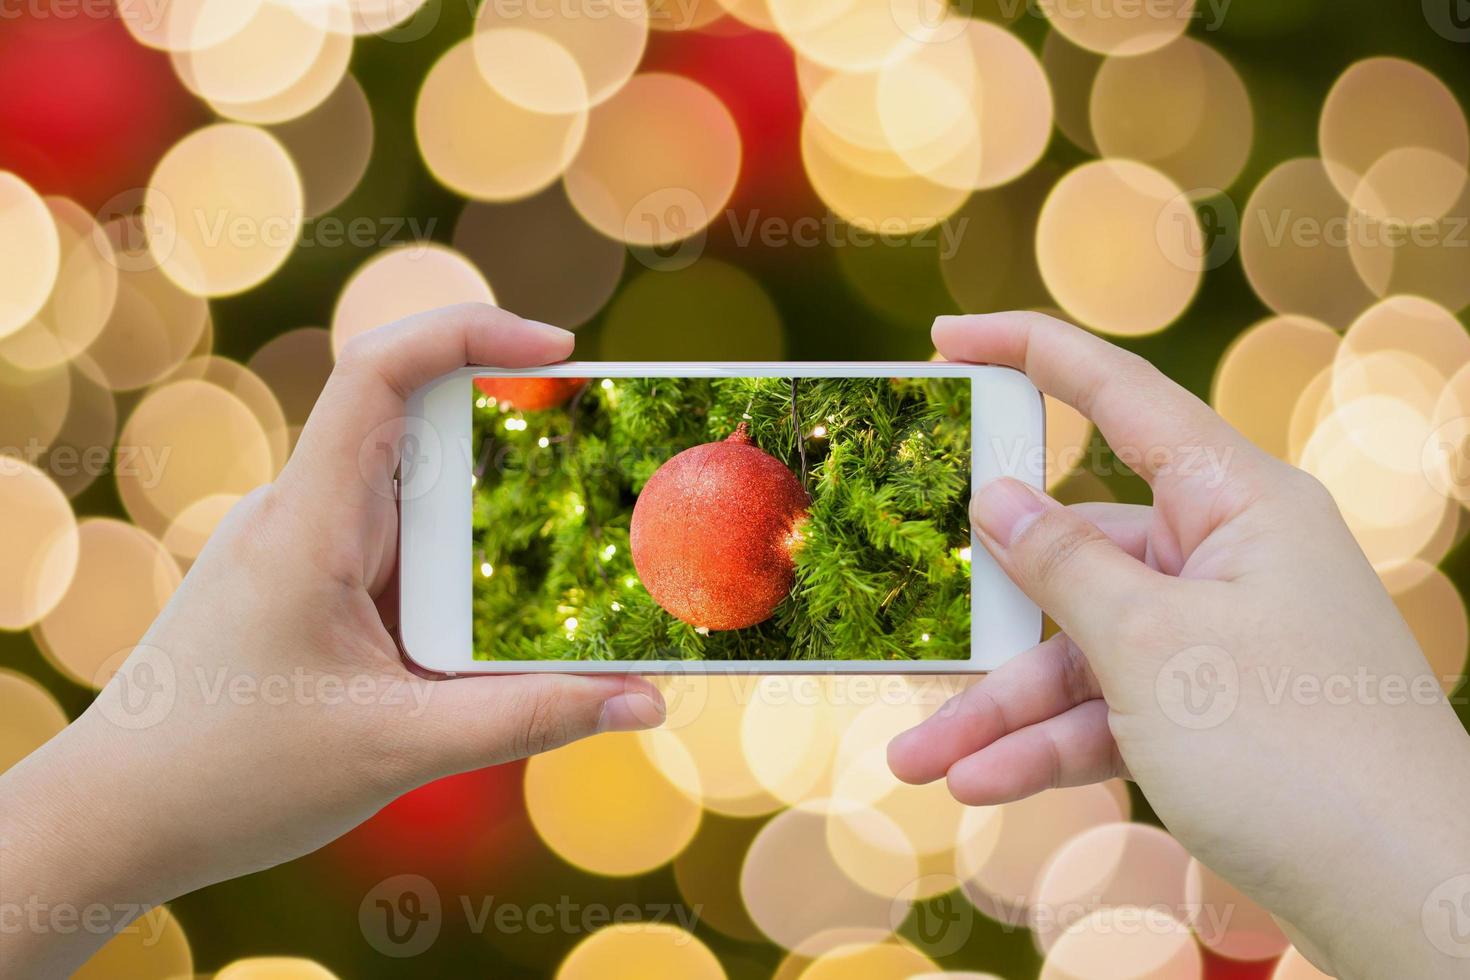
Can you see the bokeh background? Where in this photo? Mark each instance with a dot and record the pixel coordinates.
(200, 200)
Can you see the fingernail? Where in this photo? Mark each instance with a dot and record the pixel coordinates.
(552, 332)
(1004, 508)
(631, 712)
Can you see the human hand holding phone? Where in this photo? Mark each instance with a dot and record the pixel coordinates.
(267, 711)
(1343, 818)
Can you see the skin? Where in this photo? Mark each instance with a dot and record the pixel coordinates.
(1340, 815)
(292, 593)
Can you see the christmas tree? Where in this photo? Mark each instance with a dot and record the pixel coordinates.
(878, 565)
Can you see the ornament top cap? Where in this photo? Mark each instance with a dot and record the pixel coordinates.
(741, 435)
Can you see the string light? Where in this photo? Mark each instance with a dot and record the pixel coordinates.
(607, 384)
(486, 569)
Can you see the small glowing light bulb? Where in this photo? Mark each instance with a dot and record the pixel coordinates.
(964, 554)
(487, 569)
(609, 551)
(607, 384)
(543, 442)
(702, 630)
(571, 624)
(820, 432)
(617, 607)
(925, 637)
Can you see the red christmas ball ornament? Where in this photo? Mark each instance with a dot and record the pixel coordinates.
(531, 394)
(714, 530)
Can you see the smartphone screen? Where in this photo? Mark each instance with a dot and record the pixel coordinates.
(721, 519)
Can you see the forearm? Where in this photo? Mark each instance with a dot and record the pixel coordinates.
(79, 856)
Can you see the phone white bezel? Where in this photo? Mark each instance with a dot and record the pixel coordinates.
(435, 630)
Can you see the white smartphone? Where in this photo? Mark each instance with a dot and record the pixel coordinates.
(751, 517)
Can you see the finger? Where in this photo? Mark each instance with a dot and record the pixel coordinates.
(484, 721)
(376, 373)
(1041, 683)
(1073, 749)
(1153, 425)
(1065, 564)
(1126, 525)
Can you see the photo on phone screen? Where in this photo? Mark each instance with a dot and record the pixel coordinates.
(731, 518)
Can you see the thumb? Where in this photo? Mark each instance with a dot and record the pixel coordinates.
(1068, 567)
(484, 721)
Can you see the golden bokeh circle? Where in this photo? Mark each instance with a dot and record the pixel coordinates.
(635, 950)
(1120, 27)
(331, 145)
(869, 961)
(1380, 105)
(271, 52)
(183, 25)
(574, 55)
(185, 441)
(123, 581)
(30, 253)
(81, 301)
(1263, 373)
(1227, 922)
(1119, 246)
(1136, 944)
(1181, 109)
(651, 318)
(603, 806)
(480, 144)
(41, 543)
(243, 383)
(32, 717)
(1294, 236)
(230, 206)
(153, 945)
(1418, 255)
(659, 163)
(547, 264)
(795, 891)
(1115, 864)
(861, 35)
(401, 282)
(303, 95)
(789, 735)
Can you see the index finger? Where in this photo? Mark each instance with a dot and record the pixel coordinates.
(377, 372)
(1152, 424)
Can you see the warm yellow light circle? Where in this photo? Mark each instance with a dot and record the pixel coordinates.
(1264, 372)
(274, 968)
(154, 945)
(708, 311)
(545, 261)
(41, 543)
(124, 578)
(705, 717)
(188, 440)
(871, 849)
(1435, 611)
(230, 206)
(295, 365)
(1120, 27)
(795, 890)
(997, 270)
(1380, 105)
(1182, 109)
(1115, 864)
(1003, 849)
(603, 806)
(1414, 251)
(241, 382)
(30, 253)
(184, 25)
(872, 961)
(1294, 236)
(331, 146)
(1409, 327)
(270, 53)
(861, 35)
(638, 950)
(32, 717)
(401, 282)
(82, 299)
(586, 51)
(1135, 943)
(659, 163)
(382, 16)
(789, 735)
(480, 144)
(1227, 922)
(1120, 247)
(303, 95)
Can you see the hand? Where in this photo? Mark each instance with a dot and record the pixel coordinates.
(282, 713)
(1185, 630)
